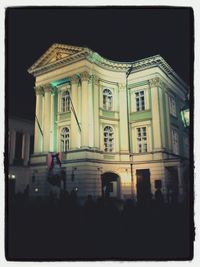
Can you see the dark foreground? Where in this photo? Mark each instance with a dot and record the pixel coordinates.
(99, 230)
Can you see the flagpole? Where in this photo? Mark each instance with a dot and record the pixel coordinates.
(74, 112)
(39, 125)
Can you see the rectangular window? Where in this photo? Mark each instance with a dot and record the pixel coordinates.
(172, 106)
(141, 140)
(140, 103)
(175, 142)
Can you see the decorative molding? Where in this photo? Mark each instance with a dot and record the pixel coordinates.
(39, 90)
(47, 88)
(85, 76)
(122, 87)
(96, 80)
(77, 53)
(74, 79)
(155, 82)
(53, 90)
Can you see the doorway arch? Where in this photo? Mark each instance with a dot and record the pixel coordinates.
(110, 182)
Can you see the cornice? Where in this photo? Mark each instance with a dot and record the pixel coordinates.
(80, 53)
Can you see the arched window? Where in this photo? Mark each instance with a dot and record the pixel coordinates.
(64, 139)
(107, 99)
(108, 139)
(65, 101)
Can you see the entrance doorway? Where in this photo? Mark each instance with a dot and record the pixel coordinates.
(143, 185)
(110, 185)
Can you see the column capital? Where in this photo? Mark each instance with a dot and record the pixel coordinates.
(74, 79)
(85, 76)
(155, 82)
(47, 88)
(96, 79)
(122, 87)
(39, 90)
(53, 90)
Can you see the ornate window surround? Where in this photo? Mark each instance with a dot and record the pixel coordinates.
(108, 134)
(64, 139)
(62, 89)
(148, 126)
(107, 99)
(175, 140)
(133, 92)
(172, 105)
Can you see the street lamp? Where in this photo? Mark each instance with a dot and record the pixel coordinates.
(128, 72)
(185, 113)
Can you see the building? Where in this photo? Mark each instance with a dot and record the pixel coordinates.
(119, 133)
(20, 147)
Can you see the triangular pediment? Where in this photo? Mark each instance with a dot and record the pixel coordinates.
(56, 53)
(57, 56)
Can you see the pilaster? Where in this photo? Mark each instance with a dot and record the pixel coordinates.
(38, 138)
(123, 129)
(156, 122)
(75, 132)
(84, 113)
(96, 112)
(91, 111)
(47, 117)
(52, 134)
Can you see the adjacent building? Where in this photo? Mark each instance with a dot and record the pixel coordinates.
(119, 133)
(20, 147)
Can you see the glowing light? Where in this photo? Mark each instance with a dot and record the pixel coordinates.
(185, 115)
(36, 189)
(59, 82)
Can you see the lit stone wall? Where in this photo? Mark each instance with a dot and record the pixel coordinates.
(85, 76)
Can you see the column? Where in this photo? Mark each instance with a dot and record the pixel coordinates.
(90, 112)
(123, 129)
(96, 113)
(84, 110)
(47, 117)
(38, 138)
(75, 132)
(51, 147)
(156, 123)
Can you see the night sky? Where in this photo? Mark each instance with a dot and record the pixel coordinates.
(126, 34)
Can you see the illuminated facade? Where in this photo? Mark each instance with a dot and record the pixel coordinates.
(92, 130)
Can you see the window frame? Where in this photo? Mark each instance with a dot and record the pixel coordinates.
(65, 146)
(139, 106)
(142, 141)
(175, 141)
(172, 105)
(65, 105)
(108, 104)
(109, 144)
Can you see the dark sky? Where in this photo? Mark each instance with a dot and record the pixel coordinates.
(119, 34)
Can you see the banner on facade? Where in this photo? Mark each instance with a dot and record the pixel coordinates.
(54, 168)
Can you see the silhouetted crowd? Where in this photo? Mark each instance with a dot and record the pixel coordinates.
(99, 229)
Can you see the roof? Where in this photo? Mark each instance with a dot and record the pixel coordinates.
(59, 55)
